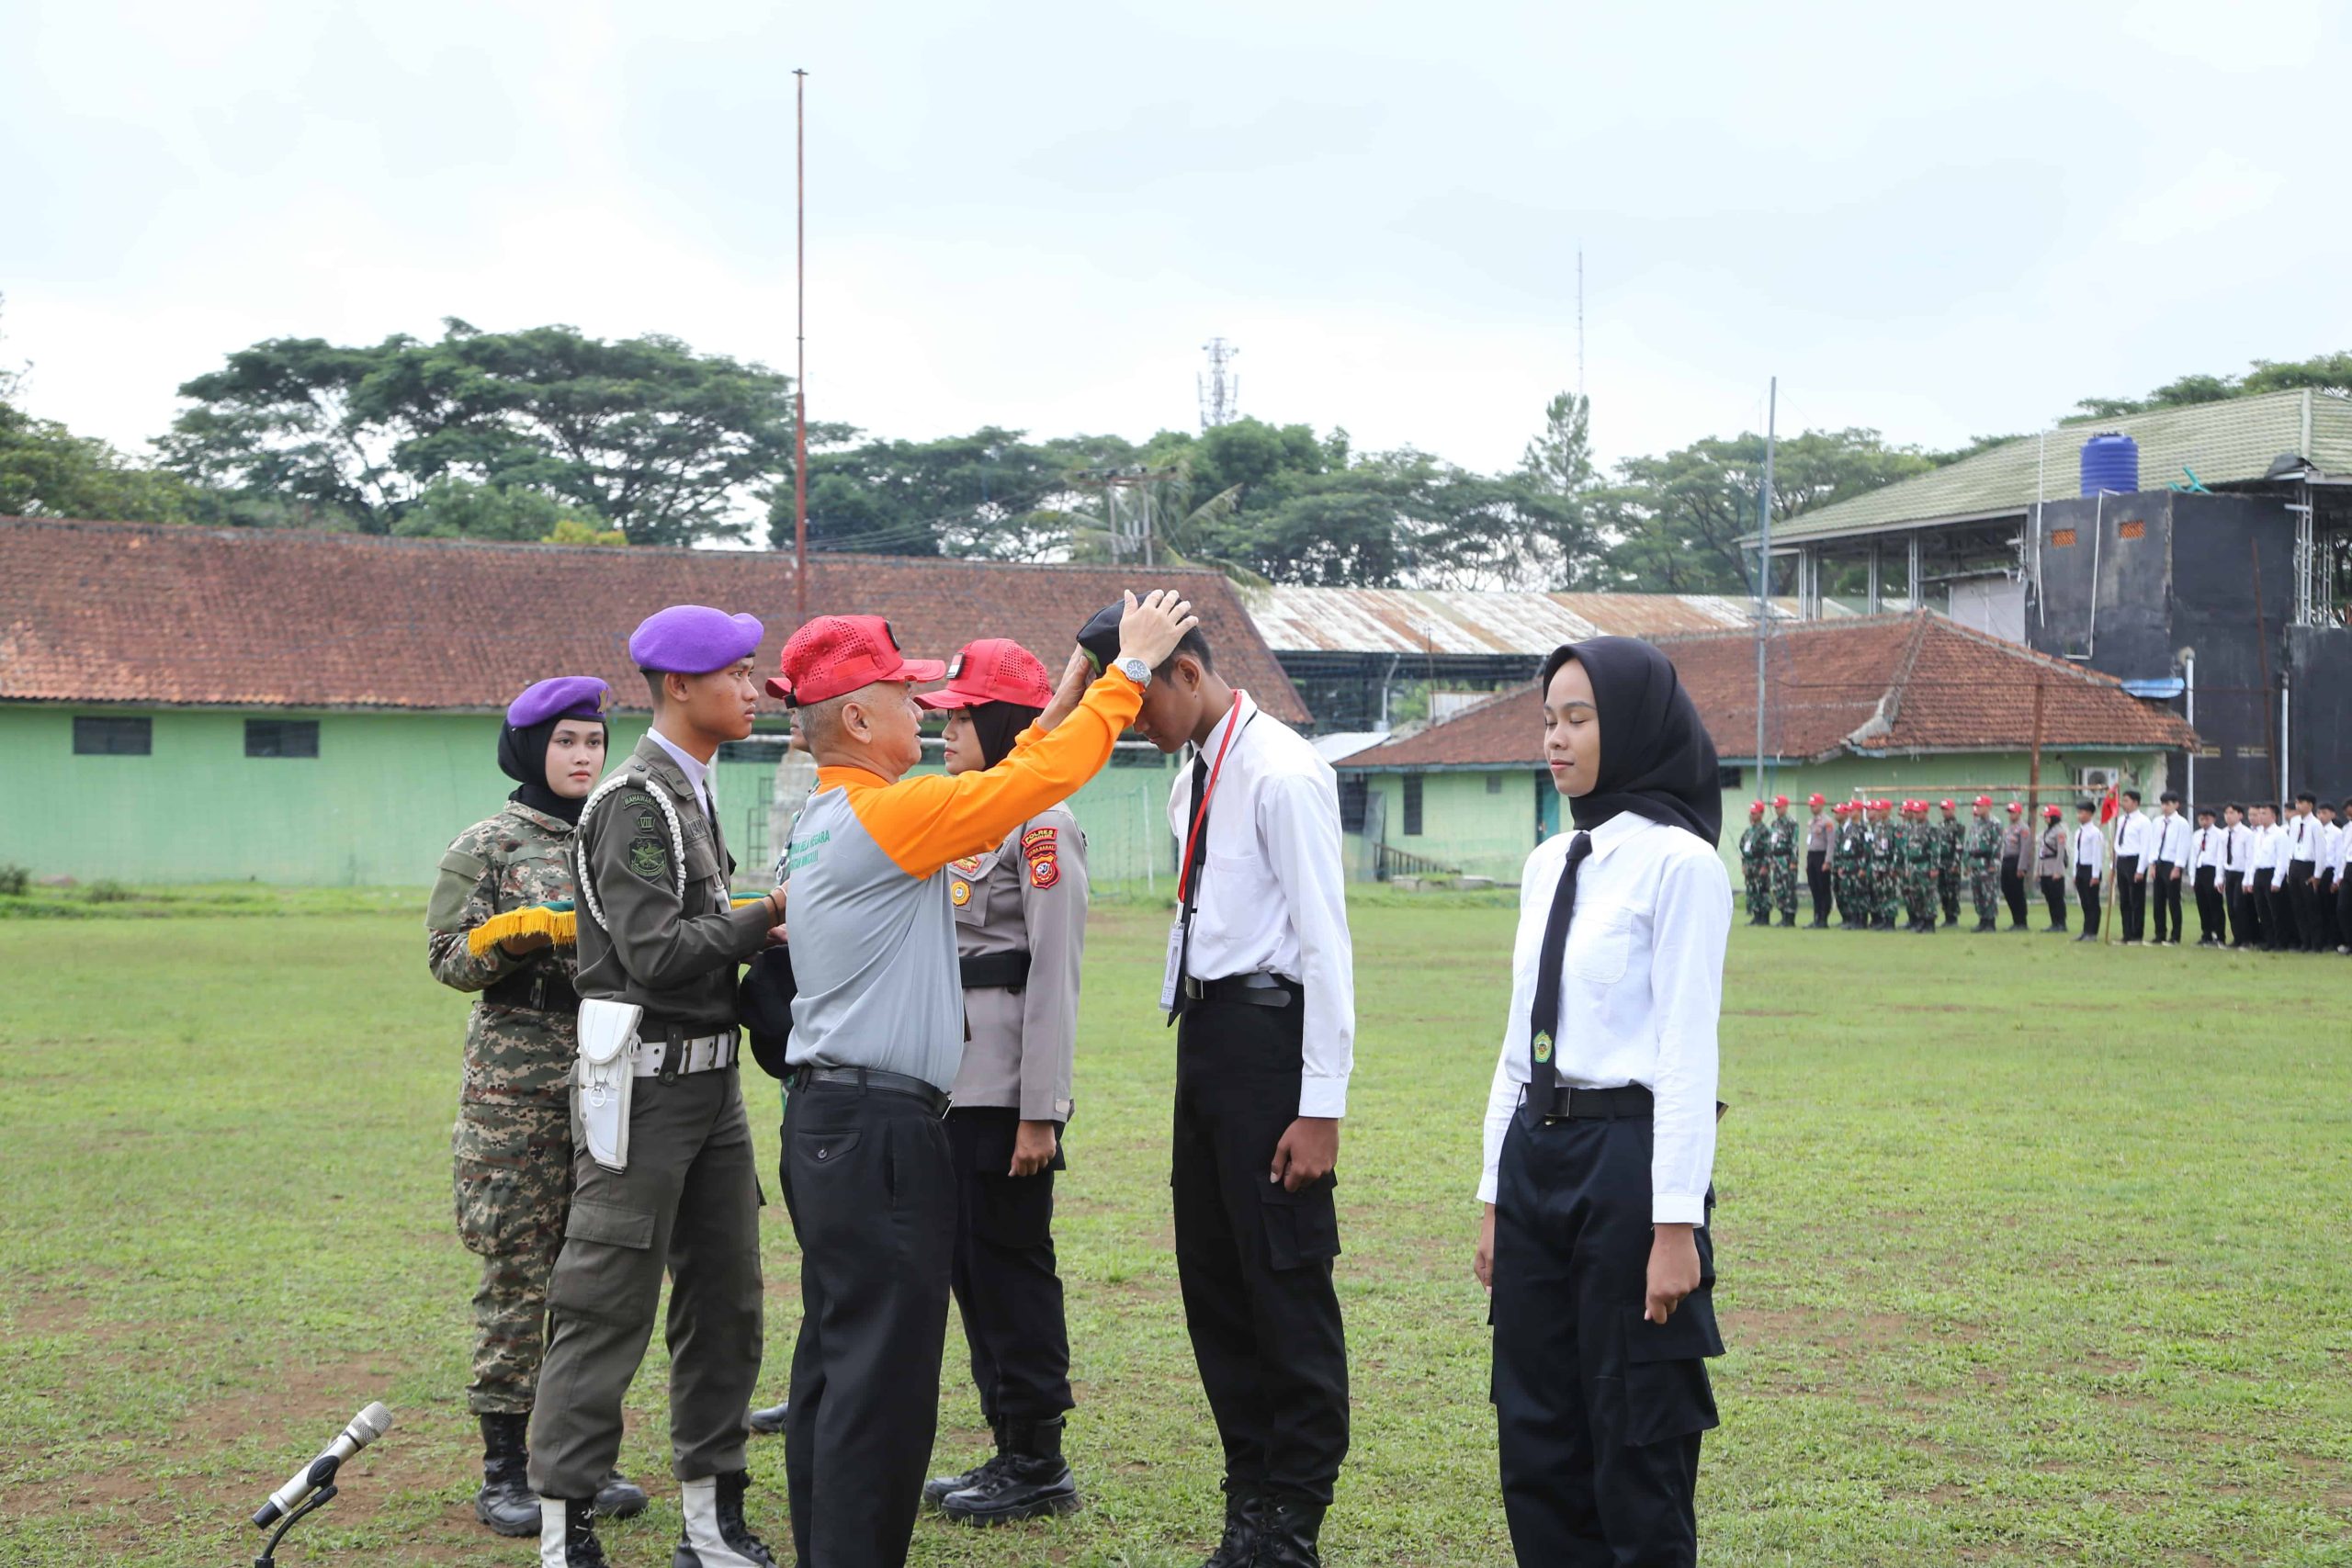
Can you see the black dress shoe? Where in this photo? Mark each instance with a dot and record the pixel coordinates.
(1030, 1480)
(936, 1490)
(768, 1420)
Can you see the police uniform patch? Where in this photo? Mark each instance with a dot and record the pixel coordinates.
(648, 859)
(1043, 871)
(961, 891)
(1038, 840)
(969, 865)
(1040, 847)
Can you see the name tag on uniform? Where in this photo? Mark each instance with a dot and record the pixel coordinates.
(1174, 973)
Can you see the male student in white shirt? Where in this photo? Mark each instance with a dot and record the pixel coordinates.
(2324, 878)
(2171, 830)
(2090, 864)
(2301, 860)
(2343, 882)
(2207, 847)
(2238, 842)
(2134, 849)
(1261, 980)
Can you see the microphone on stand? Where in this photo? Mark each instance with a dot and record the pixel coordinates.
(366, 1427)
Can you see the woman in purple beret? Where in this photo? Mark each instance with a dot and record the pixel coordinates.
(512, 1142)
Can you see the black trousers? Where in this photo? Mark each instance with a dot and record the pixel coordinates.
(2244, 924)
(2086, 893)
(2331, 896)
(2213, 924)
(2163, 892)
(1253, 1260)
(2260, 915)
(1598, 1413)
(2343, 908)
(2130, 897)
(1816, 881)
(2054, 894)
(2278, 917)
(871, 1186)
(2303, 899)
(2013, 891)
(1004, 1278)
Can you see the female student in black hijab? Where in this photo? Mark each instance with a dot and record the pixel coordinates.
(1601, 1127)
(513, 1142)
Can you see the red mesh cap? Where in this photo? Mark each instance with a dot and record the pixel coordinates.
(1982, 800)
(834, 654)
(2016, 807)
(1756, 808)
(2050, 811)
(1947, 805)
(1780, 800)
(1816, 800)
(992, 670)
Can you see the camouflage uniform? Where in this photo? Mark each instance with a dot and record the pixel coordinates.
(1754, 871)
(1845, 856)
(1948, 836)
(1985, 868)
(1923, 849)
(1780, 855)
(512, 1141)
(1883, 845)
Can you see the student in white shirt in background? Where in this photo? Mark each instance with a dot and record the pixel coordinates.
(1601, 1127)
(2207, 846)
(2271, 847)
(2301, 861)
(2135, 848)
(2172, 857)
(2344, 880)
(2324, 879)
(2238, 842)
(2090, 866)
(1260, 981)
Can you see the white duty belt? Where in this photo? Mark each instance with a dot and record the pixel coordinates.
(703, 1053)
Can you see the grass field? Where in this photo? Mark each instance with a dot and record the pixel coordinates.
(2030, 1253)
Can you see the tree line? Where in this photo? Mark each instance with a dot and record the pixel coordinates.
(548, 434)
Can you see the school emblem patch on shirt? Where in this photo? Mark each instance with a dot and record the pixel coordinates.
(961, 891)
(1543, 1046)
(1040, 847)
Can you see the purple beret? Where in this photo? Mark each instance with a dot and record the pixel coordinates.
(563, 697)
(693, 639)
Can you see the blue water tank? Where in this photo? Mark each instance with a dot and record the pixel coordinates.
(2110, 462)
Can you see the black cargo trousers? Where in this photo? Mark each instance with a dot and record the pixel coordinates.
(1254, 1261)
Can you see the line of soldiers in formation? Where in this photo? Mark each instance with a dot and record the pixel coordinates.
(1870, 865)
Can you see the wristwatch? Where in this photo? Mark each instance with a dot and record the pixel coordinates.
(1134, 669)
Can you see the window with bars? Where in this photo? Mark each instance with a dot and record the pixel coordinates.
(281, 738)
(113, 737)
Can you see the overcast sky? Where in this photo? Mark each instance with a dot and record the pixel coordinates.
(1939, 221)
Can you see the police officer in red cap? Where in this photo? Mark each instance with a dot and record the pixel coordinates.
(657, 933)
(1817, 830)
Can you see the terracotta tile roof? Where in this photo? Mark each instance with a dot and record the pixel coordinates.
(129, 613)
(1916, 683)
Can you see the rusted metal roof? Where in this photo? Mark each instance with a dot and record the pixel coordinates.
(1433, 621)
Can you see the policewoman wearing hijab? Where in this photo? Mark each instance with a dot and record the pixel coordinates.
(1600, 1128)
(1020, 933)
(512, 1141)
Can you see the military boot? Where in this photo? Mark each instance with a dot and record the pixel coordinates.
(1031, 1482)
(1759, 920)
(1986, 925)
(506, 1502)
(567, 1534)
(935, 1490)
(1237, 1548)
(1788, 919)
(618, 1497)
(1286, 1537)
(768, 1420)
(712, 1534)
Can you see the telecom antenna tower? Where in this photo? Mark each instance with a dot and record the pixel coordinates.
(1220, 390)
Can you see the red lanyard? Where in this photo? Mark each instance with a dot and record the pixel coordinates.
(1234, 726)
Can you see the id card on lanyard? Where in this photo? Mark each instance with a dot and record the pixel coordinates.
(1174, 976)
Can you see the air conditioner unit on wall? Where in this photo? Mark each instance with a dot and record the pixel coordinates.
(2097, 779)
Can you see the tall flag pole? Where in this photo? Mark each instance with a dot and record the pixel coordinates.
(800, 329)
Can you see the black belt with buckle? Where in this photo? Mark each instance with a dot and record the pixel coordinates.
(989, 970)
(1571, 1104)
(1261, 989)
(541, 990)
(934, 1099)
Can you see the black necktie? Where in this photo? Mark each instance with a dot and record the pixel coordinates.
(1544, 1018)
(1196, 851)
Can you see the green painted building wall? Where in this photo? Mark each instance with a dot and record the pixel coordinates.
(1482, 821)
(374, 807)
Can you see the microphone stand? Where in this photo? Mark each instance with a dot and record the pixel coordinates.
(310, 1505)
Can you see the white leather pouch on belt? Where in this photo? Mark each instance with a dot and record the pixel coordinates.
(602, 1079)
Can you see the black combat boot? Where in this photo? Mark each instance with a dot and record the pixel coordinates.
(506, 1502)
(567, 1534)
(1789, 919)
(1286, 1537)
(712, 1533)
(1983, 925)
(935, 1490)
(1244, 1513)
(619, 1497)
(1031, 1480)
(1759, 920)
(768, 1420)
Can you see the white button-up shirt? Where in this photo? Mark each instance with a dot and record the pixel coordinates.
(2270, 851)
(2090, 847)
(2135, 835)
(2211, 844)
(1641, 990)
(2237, 847)
(2302, 839)
(2331, 852)
(1273, 896)
(2172, 839)
(697, 773)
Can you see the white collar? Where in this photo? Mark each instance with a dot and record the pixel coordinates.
(697, 771)
(1615, 832)
(1238, 712)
